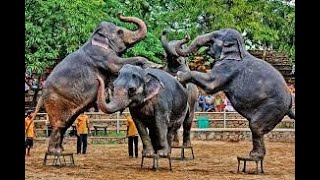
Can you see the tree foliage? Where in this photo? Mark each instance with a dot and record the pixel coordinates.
(56, 28)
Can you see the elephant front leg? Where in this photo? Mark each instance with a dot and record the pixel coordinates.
(162, 131)
(209, 81)
(175, 141)
(186, 131)
(148, 150)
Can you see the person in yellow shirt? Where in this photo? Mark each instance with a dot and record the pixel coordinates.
(29, 132)
(132, 134)
(82, 129)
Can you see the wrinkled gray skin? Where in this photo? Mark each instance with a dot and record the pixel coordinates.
(156, 101)
(175, 63)
(254, 87)
(71, 87)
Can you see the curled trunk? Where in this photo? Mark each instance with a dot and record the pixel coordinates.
(113, 106)
(170, 50)
(198, 42)
(131, 37)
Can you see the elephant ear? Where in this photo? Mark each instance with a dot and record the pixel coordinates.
(152, 86)
(241, 48)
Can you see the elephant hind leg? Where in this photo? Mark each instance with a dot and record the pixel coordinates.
(259, 126)
(62, 113)
(187, 124)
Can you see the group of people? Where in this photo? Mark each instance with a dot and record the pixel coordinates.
(214, 103)
(32, 83)
(82, 131)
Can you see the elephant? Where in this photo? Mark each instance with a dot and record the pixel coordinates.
(71, 87)
(156, 101)
(256, 90)
(175, 63)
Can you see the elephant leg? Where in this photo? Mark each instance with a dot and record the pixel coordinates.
(148, 149)
(62, 113)
(187, 123)
(193, 94)
(259, 126)
(161, 128)
(175, 141)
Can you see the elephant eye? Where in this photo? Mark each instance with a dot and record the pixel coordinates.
(120, 32)
(131, 91)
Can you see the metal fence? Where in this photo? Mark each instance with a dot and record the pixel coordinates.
(116, 117)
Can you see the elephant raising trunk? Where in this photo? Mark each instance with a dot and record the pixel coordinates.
(169, 48)
(198, 42)
(131, 37)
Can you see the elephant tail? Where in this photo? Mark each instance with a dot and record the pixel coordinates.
(39, 104)
(291, 114)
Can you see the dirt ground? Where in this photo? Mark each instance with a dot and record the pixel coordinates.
(213, 160)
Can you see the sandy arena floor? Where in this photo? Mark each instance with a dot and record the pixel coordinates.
(213, 160)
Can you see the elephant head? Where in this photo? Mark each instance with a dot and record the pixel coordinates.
(132, 87)
(174, 61)
(118, 39)
(223, 44)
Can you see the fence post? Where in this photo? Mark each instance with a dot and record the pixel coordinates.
(118, 125)
(224, 118)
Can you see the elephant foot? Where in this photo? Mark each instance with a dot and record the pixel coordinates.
(175, 143)
(163, 152)
(148, 152)
(183, 76)
(187, 143)
(257, 154)
(55, 150)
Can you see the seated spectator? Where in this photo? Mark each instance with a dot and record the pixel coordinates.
(228, 107)
(201, 102)
(26, 88)
(218, 102)
(209, 103)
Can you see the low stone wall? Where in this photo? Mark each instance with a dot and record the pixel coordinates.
(239, 134)
(210, 134)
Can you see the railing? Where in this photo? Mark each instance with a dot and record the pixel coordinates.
(116, 117)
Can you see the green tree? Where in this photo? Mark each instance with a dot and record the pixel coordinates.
(56, 28)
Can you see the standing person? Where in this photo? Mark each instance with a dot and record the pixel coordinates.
(132, 134)
(29, 132)
(82, 128)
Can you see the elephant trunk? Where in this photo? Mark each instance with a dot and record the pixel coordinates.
(170, 50)
(114, 105)
(131, 37)
(195, 45)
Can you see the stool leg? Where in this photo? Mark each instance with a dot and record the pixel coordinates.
(238, 165)
(142, 161)
(72, 160)
(45, 159)
(261, 166)
(183, 157)
(64, 160)
(192, 152)
(244, 166)
(170, 163)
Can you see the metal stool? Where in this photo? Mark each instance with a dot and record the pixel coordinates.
(245, 159)
(182, 152)
(156, 158)
(57, 158)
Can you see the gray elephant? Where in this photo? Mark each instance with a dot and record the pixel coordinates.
(156, 101)
(71, 87)
(175, 63)
(254, 87)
